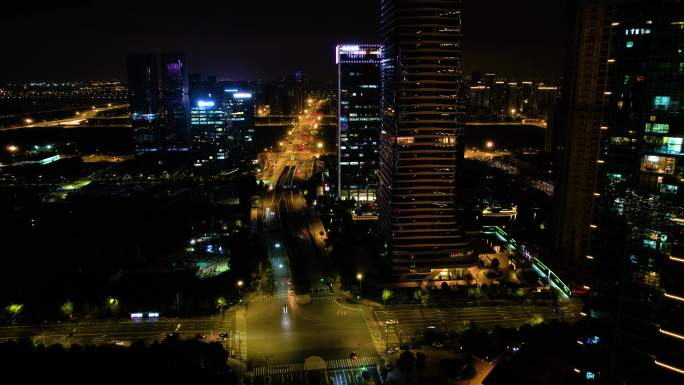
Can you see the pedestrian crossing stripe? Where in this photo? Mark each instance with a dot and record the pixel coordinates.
(345, 363)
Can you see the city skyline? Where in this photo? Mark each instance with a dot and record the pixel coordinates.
(357, 192)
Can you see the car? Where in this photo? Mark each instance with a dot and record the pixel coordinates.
(437, 344)
(200, 336)
(223, 335)
(392, 350)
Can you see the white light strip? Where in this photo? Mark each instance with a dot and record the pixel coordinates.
(666, 366)
(674, 297)
(676, 259)
(675, 335)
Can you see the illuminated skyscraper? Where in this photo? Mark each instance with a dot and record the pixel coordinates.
(143, 98)
(210, 143)
(424, 97)
(238, 107)
(358, 119)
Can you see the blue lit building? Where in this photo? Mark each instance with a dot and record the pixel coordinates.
(359, 120)
(209, 135)
(143, 98)
(221, 121)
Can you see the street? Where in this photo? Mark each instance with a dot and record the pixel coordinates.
(279, 330)
(412, 320)
(109, 332)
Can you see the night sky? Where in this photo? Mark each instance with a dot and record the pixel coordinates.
(87, 41)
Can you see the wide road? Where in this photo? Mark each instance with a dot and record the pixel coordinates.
(106, 332)
(412, 320)
(74, 121)
(279, 331)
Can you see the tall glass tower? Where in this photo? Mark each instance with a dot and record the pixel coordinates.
(143, 98)
(358, 120)
(173, 102)
(424, 97)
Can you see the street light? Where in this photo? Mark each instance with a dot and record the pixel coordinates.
(320, 145)
(489, 144)
(359, 277)
(240, 283)
(12, 148)
(28, 120)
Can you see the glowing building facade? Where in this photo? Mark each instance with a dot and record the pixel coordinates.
(359, 119)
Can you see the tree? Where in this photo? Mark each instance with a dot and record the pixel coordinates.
(406, 361)
(113, 305)
(221, 304)
(420, 363)
(386, 295)
(495, 263)
(270, 280)
(422, 296)
(67, 309)
(14, 309)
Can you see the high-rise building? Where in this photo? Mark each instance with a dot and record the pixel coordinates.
(173, 102)
(222, 122)
(238, 107)
(424, 97)
(358, 120)
(576, 136)
(210, 143)
(624, 175)
(143, 97)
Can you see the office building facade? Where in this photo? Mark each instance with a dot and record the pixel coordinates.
(222, 122)
(358, 120)
(238, 107)
(424, 97)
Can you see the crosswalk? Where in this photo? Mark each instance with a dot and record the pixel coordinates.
(283, 298)
(340, 364)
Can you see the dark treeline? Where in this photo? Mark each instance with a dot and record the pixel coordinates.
(171, 361)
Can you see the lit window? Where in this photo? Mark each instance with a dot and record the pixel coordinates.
(661, 102)
(629, 44)
(658, 128)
